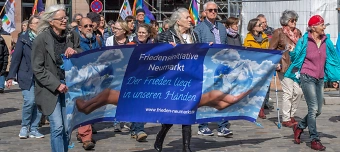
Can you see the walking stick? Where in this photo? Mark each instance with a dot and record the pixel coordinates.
(277, 104)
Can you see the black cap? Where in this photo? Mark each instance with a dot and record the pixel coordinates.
(95, 17)
(140, 10)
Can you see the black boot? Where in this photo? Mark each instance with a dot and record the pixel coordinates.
(186, 135)
(160, 136)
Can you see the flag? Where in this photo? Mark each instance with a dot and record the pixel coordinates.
(139, 4)
(8, 22)
(193, 11)
(125, 10)
(38, 7)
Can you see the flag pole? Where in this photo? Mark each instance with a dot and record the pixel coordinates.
(3, 7)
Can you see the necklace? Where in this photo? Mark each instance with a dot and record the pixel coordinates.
(120, 43)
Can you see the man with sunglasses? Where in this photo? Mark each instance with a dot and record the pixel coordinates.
(88, 41)
(212, 32)
(266, 29)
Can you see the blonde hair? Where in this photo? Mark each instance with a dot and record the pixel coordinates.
(48, 16)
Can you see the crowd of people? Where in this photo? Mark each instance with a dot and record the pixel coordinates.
(309, 60)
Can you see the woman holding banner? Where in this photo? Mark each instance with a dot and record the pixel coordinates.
(47, 66)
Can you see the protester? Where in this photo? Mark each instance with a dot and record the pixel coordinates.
(143, 37)
(95, 18)
(103, 28)
(88, 41)
(211, 31)
(233, 37)
(285, 38)
(21, 59)
(257, 39)
(314, 60)
(120, 37)
(76, 19)
(47, 65)
(24, 26)
(3, 63)
(266, 29)
(140, 17)
(179, 33)
(154, 31)
(130, 21)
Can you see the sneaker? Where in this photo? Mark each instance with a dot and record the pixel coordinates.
(36, 134)
(205, 132)
(316, 145)
(224, 132)
(117, 128)
(127, 125)
(88, 145)
(23, 133)
(2, 90)
(141, 136)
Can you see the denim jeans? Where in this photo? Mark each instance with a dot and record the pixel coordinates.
(312, 88)
(2, 82)
(221, 124)
(30, 113)
(136, 127)
(58, 126)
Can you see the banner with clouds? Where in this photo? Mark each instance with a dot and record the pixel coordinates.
(160, 83)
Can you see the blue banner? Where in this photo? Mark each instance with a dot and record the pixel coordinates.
(160, 83)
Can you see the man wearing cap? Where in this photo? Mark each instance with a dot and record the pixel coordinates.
(314, 60)
(140, 17)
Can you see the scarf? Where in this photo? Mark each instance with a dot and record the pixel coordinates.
(231, 32)
(31, 35)
(258, 38)
(293, 35)
(61, 38)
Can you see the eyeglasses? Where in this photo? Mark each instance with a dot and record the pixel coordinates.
(293, 20)
(61, 18)
(88, 25)
(114, 28)
(142, 33)
(215, 10)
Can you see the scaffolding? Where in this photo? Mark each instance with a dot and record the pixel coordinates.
(164, 8)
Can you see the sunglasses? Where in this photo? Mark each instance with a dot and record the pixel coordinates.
(88, 25)
(293, 20)
(259, 25)
(211, 10)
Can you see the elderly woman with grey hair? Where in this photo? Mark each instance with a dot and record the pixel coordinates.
(180, 32)
(285, 38)
(49, 75)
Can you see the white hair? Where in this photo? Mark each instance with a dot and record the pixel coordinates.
(206, 4)
(48, 16)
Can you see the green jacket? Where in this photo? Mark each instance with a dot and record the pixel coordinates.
(298, 55)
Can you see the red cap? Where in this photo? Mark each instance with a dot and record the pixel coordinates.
(315, 20)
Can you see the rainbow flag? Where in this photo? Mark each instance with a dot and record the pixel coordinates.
(139, 4)
(193, 11)
(37, 7)
(125, 10)
(8, 19)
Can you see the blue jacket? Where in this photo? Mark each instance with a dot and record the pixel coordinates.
(332, 65)
(205, 34)
(21, 62)
(89, 44)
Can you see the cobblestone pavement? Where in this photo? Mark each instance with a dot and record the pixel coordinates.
(247, 136)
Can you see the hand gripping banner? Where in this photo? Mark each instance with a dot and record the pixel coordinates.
(159, 83)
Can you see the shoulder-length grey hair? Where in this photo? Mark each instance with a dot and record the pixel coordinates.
(48, 16)
(288, 15)
(177, 15)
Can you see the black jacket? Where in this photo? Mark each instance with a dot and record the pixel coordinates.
(3, 56)
(21, 62)
(171, 36)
